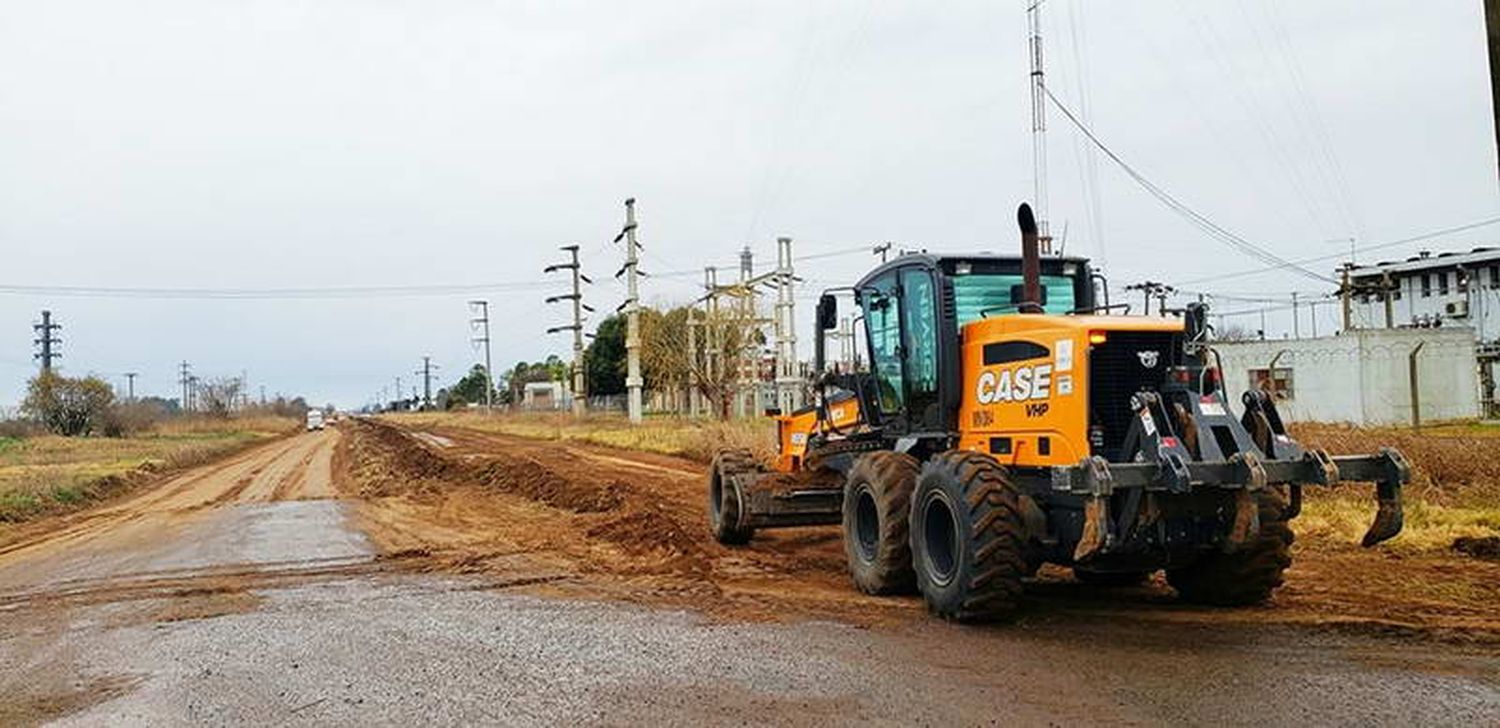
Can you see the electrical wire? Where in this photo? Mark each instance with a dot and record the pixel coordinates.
(1192, 216)
(272, 293)
(1360, 249)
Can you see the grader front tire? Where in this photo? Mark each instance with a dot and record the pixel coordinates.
(725, 500)
(877, 508)
(968, 538)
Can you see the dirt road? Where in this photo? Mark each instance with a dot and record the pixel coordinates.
(451, 576)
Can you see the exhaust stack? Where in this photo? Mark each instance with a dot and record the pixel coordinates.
(1031, 263)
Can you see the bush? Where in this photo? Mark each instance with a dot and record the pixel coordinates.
(71, 406)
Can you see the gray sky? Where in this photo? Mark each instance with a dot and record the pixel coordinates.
(184, 143)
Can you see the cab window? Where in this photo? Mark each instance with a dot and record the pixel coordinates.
(883, 321)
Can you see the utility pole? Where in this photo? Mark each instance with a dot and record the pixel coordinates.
(400, 397)
(47, 340)
(881, 250)
(426, 373)
(745, 386)
(1149, 289)
(788, 384)
(130, 386)
(1296, 323)
(1344, 295)
(693, 399)
(186, 380)
(1039, 127)
(713, 339)
(580, 391)
(483, 324)
(633, 380)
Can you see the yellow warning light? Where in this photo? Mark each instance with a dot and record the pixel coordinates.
(1096, 338)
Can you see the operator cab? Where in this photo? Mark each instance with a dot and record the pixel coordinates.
(915, 308)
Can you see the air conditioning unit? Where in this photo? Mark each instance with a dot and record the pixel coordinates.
(1457, 309)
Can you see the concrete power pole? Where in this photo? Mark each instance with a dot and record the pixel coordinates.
(744, 363)
(186, 380)
(47, 341)
(633, 380)
(788, 383)
(713, 342)
(1492, 22)
(426, 374)
(483, 324)
(580, 387)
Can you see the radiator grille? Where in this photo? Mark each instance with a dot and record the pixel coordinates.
(1117, 369)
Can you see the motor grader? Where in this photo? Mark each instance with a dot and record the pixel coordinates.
(1009, 419)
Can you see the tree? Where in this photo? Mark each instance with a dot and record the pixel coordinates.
(1235, 332)
(604, 360)
(551, 370)
(724, 342)
(217, 397)
(69, 406)
(470, 388)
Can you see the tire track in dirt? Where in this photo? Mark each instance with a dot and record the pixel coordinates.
(634, 531)
(129, 534)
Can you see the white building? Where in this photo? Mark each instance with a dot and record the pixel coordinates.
(1361, 376)
(545, 396)
(1437, 291)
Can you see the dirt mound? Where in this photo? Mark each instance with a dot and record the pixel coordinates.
(382, 461)
(648, 531)
(529, 478)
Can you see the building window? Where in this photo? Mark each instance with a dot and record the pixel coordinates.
(1277, 383)
(1426, 285)
(1442, 284)
(1495, 276)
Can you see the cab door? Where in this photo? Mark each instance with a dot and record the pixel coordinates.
(901, 321)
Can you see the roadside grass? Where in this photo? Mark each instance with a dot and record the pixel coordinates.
(680, 436)
(49, 474)
(1454, 493)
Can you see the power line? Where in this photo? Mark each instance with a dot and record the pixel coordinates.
(1200, 221)
(1360, 249)
(270, 293)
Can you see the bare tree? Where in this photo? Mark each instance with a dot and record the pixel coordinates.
(217, 397)
(712, 358)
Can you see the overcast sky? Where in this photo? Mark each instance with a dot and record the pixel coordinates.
(257, 145)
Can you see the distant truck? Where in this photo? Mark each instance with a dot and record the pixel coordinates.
(314, 420)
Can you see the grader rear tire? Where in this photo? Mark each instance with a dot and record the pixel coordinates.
(1247, 576)
(725, 501)
(968, 538)
(877, 508)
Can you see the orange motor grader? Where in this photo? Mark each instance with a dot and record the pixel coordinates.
(1008, 420)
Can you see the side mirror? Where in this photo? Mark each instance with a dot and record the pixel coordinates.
(828, 312)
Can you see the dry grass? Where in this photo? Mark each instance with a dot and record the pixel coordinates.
(689, 438)
(48, 474)
(1455, 489)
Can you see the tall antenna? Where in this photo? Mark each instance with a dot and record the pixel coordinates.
(1038, 127)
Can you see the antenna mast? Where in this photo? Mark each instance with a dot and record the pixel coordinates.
(1038, 126)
